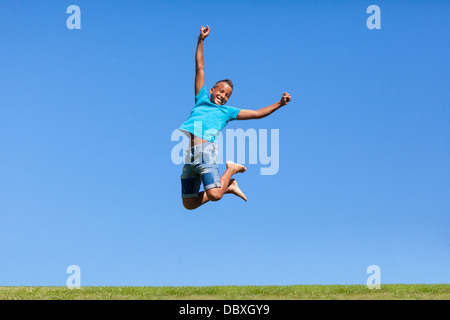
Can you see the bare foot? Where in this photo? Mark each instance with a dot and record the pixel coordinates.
(234, 189)
(235, 167)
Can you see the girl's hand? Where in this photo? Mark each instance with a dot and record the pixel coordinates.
(204, 32)
(285, 99)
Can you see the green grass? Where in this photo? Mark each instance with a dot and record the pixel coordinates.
(295, 292)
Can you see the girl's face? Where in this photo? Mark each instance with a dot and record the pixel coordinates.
(221, 93)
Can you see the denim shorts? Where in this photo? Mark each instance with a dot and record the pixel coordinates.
(201, 166)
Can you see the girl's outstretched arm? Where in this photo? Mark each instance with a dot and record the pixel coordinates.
(247, 114)
(199, 62)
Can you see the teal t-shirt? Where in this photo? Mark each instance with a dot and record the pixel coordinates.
(207, 119)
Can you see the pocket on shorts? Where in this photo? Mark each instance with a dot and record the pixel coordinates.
(210, 155)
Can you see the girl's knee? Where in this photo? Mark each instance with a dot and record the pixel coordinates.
(189, 205)
(214, 194)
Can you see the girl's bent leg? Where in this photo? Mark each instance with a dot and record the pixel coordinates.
(193, 203)
(216, 194)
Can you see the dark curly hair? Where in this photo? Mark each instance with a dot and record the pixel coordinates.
(227, 81)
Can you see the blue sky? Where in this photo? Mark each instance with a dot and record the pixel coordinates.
(86, 116)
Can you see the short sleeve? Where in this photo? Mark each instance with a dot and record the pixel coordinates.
(202, 95)
(233, 112)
